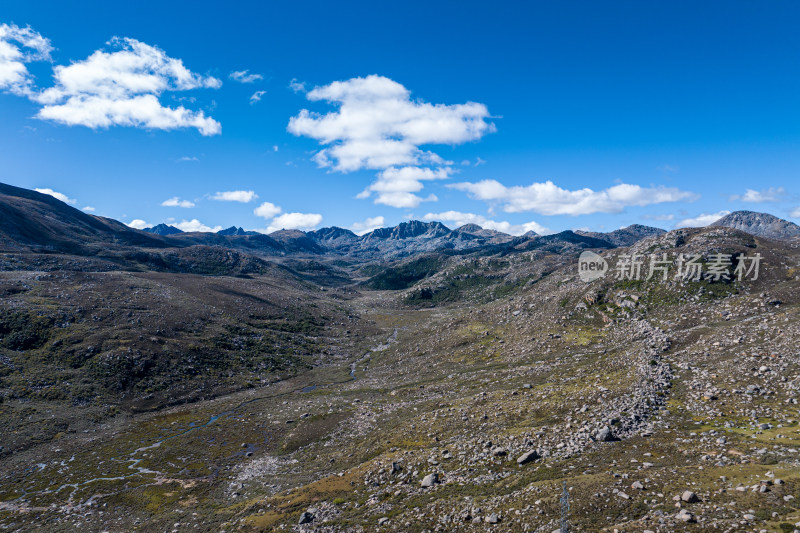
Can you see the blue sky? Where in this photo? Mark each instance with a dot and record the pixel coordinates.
(548, 116)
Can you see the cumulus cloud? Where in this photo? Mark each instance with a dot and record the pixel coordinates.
(403, 199)
(244, 76)
(378, 126)
(196, 226)
(19, 46)
(301, 221)
(548, 199)
(395, 187)
(177, 202)
(235, 196)
(702, 220)
(138, 223)
(457, 219)
(122, 87)
(267, 210)
(256, 97)
(773, 194)
(57, 195)
(370, 224)
(88, 209)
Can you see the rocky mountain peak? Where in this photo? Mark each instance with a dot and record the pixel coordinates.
(469, 228)
(233, 230)
(760, 225)
(410, 230)
(163, 229)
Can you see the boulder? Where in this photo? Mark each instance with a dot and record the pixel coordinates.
(430, 480)
(527, 457)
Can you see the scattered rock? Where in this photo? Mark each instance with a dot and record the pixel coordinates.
(430, 480)
(604, 435)
(689, 497)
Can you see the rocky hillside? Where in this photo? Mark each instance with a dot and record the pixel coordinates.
(667, 404)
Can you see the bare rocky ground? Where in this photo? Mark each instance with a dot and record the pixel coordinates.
(462, 404)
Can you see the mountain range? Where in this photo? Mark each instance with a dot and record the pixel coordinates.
(39, 222)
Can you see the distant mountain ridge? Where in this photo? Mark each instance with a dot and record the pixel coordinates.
(233, 230)
(625, 236)
(760, 225)
(493, 236)
(409, 230)
(163, 229)
(33, 221)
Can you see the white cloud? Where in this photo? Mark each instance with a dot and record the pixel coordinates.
(187, 158)
(256, 97)
(196, 225)
(772, 194)
(795, 213)
(701, 220)
(457, 219)
(19, 46)
(370, 224)
(57, 195)
(88, 209)
(121, 88)
(274, 147)
(235, 196)
(244, 76)
(267, 210)
(378, 126)
(297, 86)
(177, 202)
(548, 199)
(395, 187)
(401, 199)
(138, 223)
(301, 221)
